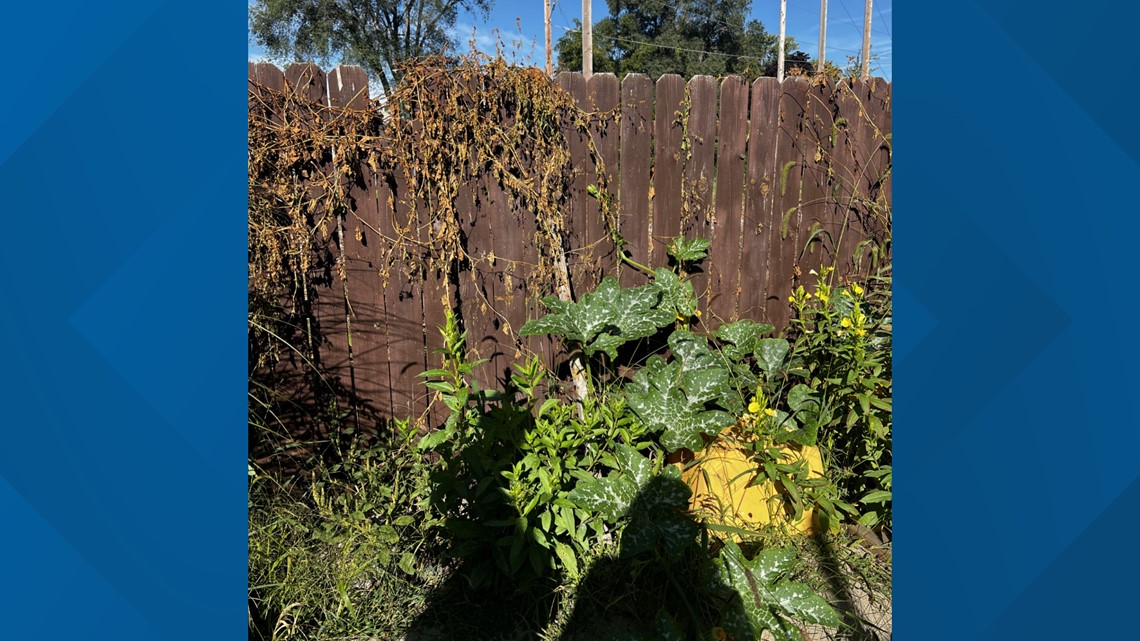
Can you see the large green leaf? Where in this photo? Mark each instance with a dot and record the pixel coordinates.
(809, 417)
(658, 515)
(767, 599)
(692, 350)
(689, 251)
(770, 353)
(740, 338)
(654, 504)
(676, 294)
(604, 319)
(612, 496)
(669, 403)
(667, 628)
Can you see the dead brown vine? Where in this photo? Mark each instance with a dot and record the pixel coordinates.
(447, 125)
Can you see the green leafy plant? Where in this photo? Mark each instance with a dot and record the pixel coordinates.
(842, 353)
(604, 319)
(347, 554)
(533, 486)
(760, 597)
(507, 465)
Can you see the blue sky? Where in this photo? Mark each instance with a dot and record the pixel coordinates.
(522, 21)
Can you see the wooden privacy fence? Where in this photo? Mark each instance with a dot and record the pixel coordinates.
(783, 178)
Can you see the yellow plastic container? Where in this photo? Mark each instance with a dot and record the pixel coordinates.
(723, 479)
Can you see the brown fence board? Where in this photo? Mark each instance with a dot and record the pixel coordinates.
(699, 171)
(366, 333)
(326, 299)
(761, 195)
(404, 303)
(723, 265)
(881, 156)
(604, 93)
(816, 207)
(782, 277)
(574, 83)
(668, 127)
(848, 171)
(636, 144)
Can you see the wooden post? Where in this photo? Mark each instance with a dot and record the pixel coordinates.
(549, 58)
(783, 32)
(866, 72)
(587, 41)
(822, 36)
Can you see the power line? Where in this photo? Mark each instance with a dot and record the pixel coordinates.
(885, 23)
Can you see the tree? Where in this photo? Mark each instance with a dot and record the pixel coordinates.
(375, 34)
(686, 37)
(796, 60)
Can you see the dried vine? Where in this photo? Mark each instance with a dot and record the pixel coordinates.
(446, 127)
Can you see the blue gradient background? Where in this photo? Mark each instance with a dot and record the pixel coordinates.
(122, 170)
(122, 483)
(1016, 452)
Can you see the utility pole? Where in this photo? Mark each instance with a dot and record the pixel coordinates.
(783, 30)
(587, 41)
(866, 71)
(549, 59)
(822, 36)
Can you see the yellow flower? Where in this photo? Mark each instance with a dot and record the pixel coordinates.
(846, 322)
(824, 297)
(698, 313)
(769, 411)
(791, 299)
(754, 407)
(860, 332)
(857, 289)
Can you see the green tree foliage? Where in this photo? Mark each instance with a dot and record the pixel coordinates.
(375, 34)
(694, 37)
(794, 60)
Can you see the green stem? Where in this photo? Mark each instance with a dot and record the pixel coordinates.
(632, 263)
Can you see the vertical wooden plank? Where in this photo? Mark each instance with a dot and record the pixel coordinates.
(862, 141)
(502, 272)
(306, 80)
(818, 227)
(782, 275)
(306, 83)
(477, 288)
(724, 254)
(403, 298)
(761, 195)
(267, 75)
(574, 83)
(438, 297)
(348, 87)
(604, 99)
(881, 156)
(699, 178)
(367, 336)
(636, 142)
(668, 126)
(849, 181)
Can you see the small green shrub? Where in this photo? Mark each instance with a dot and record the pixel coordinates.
(506, 465)
(352, 552)
(842, 353)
